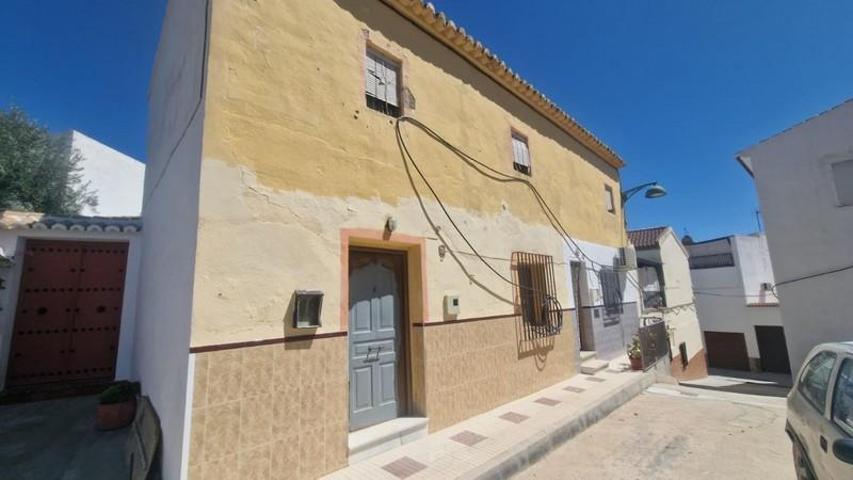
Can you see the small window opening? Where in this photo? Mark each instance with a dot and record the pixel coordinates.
(382, 83)
(521, 154)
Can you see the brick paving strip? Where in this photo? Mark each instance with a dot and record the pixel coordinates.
(504, 441)
(404, 467)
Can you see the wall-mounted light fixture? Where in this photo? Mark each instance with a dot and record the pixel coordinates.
(390, 224)
(307, 308)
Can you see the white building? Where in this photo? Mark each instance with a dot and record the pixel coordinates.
(116, 178)
(738, 311)
(664, 276)
(804, 178)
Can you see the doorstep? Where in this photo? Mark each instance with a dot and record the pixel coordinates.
(502, 442)
(372, 441)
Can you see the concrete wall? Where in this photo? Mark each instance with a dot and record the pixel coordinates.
(13, 243)
(170, 216)
(752, 259)
(114, 177)
(807, 232)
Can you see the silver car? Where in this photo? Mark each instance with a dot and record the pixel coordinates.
(820, 414)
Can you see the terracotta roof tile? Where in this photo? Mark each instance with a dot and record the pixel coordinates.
(646, 237)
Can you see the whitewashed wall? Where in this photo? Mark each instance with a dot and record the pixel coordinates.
(116, 178)
(807, 231)
(170, 216)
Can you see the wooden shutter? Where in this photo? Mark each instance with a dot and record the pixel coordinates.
(520, 151)
(391, 72)
(381, 78)
(371, 76)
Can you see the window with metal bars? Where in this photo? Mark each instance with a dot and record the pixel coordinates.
(611, 289)
(536, 296)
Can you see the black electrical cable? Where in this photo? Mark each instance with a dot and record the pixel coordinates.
(498, 176)
(548, 302)
(814, 275)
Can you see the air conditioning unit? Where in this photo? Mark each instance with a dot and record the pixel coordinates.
(627, 258)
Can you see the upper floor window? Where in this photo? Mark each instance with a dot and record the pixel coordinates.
(608, 199)
(382, 83)
(842, 175)
(520, 154)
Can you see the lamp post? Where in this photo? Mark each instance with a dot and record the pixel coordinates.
(653, 190)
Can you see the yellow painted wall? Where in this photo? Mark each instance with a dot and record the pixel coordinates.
(292, 155)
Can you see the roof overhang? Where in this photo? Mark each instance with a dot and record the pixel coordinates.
(746, 162)
(436, 24)
(15, 220)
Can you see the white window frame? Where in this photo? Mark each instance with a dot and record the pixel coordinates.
(609, 199)
(847, 199)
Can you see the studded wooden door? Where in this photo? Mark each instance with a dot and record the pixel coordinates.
(69, 312)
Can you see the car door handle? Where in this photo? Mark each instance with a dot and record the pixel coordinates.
(823, 444)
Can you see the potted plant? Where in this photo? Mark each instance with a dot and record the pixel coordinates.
(635, 353)
(116, 406)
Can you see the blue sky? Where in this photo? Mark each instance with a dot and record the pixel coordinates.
(676, 87)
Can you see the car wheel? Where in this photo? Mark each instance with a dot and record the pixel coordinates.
(801, 463)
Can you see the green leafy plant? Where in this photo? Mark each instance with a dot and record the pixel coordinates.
(39, 171)
(634, 349)
(119, 392)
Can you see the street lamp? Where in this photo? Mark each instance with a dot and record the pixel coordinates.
(653, 190)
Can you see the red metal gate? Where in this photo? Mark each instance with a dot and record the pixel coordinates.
(69, 312)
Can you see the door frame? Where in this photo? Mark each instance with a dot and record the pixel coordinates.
(416, 300)
(403, 387)
(763, 353)
(577, 295)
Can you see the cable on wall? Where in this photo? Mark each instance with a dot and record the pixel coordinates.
(499, 176)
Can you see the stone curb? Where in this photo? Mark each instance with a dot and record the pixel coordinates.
(528, 452)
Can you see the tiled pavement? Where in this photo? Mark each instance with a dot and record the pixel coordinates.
(462, 451)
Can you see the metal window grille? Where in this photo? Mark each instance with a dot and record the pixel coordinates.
(611, 288)
(536, 296)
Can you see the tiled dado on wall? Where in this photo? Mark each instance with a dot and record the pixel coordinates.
(270, 412)
(472, 367)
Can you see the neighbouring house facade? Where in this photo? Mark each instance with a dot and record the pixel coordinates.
(68, 283)
(664, 279)
(804, 179)
(67, 299)
(738, 310)
(314, 268)
(117, 179)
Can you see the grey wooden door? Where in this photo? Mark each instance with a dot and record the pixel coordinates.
(375, 310)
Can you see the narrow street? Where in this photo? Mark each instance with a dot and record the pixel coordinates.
(673, 432)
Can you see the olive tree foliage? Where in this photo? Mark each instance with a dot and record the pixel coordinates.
(39, 171)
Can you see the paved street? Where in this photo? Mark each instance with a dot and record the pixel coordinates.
(673, 432)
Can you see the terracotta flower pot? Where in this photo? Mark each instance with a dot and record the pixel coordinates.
(115, 415)
(636, 363)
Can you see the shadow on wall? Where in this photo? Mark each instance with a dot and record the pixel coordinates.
(384, 19)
